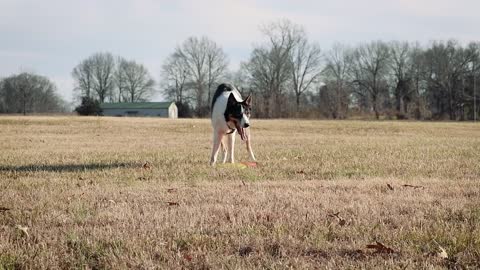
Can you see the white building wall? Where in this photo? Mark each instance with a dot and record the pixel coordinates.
(173, 111)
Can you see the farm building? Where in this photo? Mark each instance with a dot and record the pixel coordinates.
(158, 109)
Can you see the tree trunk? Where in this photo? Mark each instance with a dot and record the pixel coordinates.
(266, 106)
(377, 115)
(298, 105)
(450, 105)
(375, 109)
(24, 103)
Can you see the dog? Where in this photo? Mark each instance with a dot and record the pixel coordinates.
(230, 114)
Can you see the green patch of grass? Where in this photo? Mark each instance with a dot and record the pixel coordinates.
(9, 262)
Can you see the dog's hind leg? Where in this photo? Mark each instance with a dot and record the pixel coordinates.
(231, 145)
(217, 140)
(224, 150)
(249, 145)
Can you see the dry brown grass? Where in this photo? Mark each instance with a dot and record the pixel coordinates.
(115, 193)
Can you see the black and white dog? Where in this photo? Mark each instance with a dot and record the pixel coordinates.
(230, 114)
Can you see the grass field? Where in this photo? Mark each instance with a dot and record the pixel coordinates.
(116, 193)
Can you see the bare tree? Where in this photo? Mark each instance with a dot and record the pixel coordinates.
(83, 76)
(239, 78)
(117, 95)
(216, 67)
(205, 63)
(134, 82)
(95, 75)
(29, 93)
(306, 66)
(408, 72)
(418, 73)
(337, 75)
(401, 66)
(270, 65)
(448, 65)
(174, 75)
(370, 70)
(103, 70)
(471, 95)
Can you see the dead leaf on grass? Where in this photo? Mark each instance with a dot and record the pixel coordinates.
(188, 257)
(413, 186)
(147, 165)
(341, 221)
(442, 254)
(173, 203)
(22, 229)
(245, 251)
(380, 248)
(390, 187)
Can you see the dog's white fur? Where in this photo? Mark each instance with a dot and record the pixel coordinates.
(221, 128)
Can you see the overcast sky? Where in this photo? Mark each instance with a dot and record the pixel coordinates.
(50, 37)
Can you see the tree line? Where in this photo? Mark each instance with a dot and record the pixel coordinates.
(288, 75)
(402, 80)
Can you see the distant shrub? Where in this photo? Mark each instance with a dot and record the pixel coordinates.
(203, 111)
(184, 110)
(89, 106)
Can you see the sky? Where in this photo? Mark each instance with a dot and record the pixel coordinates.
(50, 37)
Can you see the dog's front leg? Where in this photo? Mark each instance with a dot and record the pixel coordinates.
(217, 140)
(231, 146)
(249, 145)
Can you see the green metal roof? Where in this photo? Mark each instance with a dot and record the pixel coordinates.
(136, 105)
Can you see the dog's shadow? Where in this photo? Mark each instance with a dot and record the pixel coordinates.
(66, 167)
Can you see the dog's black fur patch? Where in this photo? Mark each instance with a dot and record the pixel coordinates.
(220, 89)
(234, 109)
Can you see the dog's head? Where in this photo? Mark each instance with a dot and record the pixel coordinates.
(238, 112)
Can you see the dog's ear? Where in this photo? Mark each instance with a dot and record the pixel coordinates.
(232, 100)
(248, 100)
